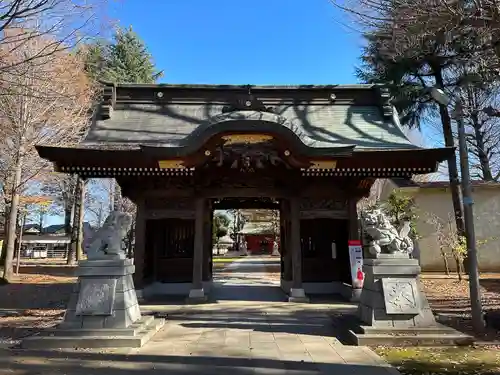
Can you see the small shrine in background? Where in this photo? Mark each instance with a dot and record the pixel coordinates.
(261, 231)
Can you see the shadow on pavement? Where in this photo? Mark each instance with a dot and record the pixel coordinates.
(80, 363)
(261, 293)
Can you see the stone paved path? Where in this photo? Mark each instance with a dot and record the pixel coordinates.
(249, 329)
(246, 329)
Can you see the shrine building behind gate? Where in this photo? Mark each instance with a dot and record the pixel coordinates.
(181, 151)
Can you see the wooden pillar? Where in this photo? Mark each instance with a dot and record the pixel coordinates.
(353, 219)
(197, 293)
(354, 234)
(140, 244)
(297, 293)
(286, 262)
(207, 242)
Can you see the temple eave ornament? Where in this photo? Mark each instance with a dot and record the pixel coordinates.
(384, 237)
(247, 103)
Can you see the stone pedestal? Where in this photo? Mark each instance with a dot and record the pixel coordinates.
(103, 310)
(393, 308)
(298, 295)
(196, 296)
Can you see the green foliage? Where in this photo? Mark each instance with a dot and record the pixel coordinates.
(401, 208)
(96, 55)
(220, 225)
(403, 77)
(123, 60)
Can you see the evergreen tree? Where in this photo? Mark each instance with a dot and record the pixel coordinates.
(96, 58)
(127, 60)
(410, 79)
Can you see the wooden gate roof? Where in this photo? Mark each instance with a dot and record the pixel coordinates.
(322, 116)
(137, 125)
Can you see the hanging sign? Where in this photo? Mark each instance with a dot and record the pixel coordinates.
(356, 261)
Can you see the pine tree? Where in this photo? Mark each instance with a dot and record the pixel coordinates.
(128, 60)
(124, 59)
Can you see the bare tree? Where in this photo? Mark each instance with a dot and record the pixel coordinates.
(482, 130)
(420, 45)
(46, 101)
(63, 23)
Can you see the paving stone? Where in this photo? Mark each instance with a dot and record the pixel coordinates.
(245, 337)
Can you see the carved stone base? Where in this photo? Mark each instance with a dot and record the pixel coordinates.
(393, 303)
(103, 305)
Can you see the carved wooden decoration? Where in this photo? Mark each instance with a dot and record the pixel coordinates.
(246, 138)
(323, 164)
(171, 164)
(247, 103)
(245, 158)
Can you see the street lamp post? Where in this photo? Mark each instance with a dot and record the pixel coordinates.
(475, 295)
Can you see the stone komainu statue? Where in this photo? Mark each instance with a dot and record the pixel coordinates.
(107, 242)
(384, 237)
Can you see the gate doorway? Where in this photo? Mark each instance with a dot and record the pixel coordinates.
(246, 259)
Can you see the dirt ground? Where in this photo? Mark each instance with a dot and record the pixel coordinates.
(449, 298)
(35, 300)
(38, 297)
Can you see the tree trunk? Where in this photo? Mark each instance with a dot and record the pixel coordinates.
(81, 214)
(8, 271)
(20, 243)
(449, 141)
(40, 222)
(459, 269)
(73, 253)
(446, 265)
(484, 161)
(6, 232)
(68, 214)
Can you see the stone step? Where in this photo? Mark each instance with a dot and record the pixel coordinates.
(438, 329)
(95, 341)
(133, 330)
(409, 339)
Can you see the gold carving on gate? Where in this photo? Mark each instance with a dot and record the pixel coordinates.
(323, 164)
(246, 138)
(171, 164)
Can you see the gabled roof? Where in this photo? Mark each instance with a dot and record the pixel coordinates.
(352, 127)
(54, 228)
(169, 115)
(257, 227)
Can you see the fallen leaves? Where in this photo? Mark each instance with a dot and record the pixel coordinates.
(442, 361)
(449, 298)
(34, 301)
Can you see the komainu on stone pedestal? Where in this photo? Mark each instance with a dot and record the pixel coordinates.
(384, 237)
(393, 309)
(103, 310)
(107, 242)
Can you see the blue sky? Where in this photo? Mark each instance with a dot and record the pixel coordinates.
(245, 42)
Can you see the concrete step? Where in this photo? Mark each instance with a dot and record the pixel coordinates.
(410, 339)
(133, 330)
(95, 341)
(439, 329)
